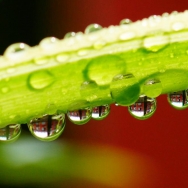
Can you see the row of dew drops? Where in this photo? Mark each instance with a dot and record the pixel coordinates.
(50, 127)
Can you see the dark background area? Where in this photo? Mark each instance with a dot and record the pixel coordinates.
(164, 137)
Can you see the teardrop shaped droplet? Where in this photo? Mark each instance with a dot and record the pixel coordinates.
(125, 89)
(40, 79)
(100, 112)
(92, 28)
(48, 43)
(156, 42)
(143, 108)
(152, 88)
(69, 35)
(178, 100)
(125, 21)
(16, 51)
(47, 127)
(10, 133)
(80, 117)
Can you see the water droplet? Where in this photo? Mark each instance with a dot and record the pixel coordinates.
(178, 100)
(177, 26)
(82, 52)
(125, 21)
(41, 60)
(47, 127)
(16, 51)
(152, 88)
(51, 109)
(48, 43)
(125, 89)
(127, 35)
(156, 42)
(143, 108)
(100, 112)
(40, 79)
(92, 28)
(99, 64)
(4, 89)
(165, 15)
(61, 58)
(10, 70)
(99, 44)
(69, 35)
(10, 133)
(80, 117)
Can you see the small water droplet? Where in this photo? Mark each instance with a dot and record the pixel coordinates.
(16, 51)
(165, 15)
(177, 26)
(125, 89)
(143, 108)
(40, 79)
(92, 28)
(10, 70)
(47, 127)
(128, 35)
(10, 133)
(82, 52)
(152, 88)
(48, 43)
(125, 21)
(41, 60)
(156, 42)
(61, 58)
(99, 44)
(80, 117)
(100, 112)
(69, 35)
(178, 100)
(117, 66)
(4, 89)
(171, 55)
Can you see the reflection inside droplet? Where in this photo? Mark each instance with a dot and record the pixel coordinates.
(47, 127)
(10, 132)
(92, 28)
(100, 112)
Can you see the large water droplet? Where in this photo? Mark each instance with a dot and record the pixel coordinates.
(47, 127)
(125, 21)
(156, 42)
(10, 133)
(152, 88)
(40, 79)
(125, 89)
(16, 51)
(92, 28)
(112, 65)
(178, 100)
(69, 35)
(143, 108)
(100, 112)
(80, 117)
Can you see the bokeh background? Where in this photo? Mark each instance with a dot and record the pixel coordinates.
(119, 151)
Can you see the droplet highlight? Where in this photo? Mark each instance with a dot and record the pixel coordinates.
(47, 127)
(92, 28)
(10, 133)
(81, 116)
(178, 100)
(152, 88)
(69, 35)
(143, 108)
(16, 51)
(125, 22)
(100, 112)
(48, 43)
(40, 80)
(125, 89)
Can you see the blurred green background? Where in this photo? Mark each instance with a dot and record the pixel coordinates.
(119, 151)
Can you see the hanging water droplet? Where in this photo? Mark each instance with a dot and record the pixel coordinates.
(10, 133)
(16, 51)
(92, 28)
(47, 127)
(69, 35)
(125, 21)
(178, 100)
(143, 108)
(155, 43)
(152, 88)
(117, 66)
(125, 89)
(40, 79)
(100, 112)
(80, 117)
(48, 43)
